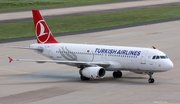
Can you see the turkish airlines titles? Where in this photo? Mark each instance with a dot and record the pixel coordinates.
(119, 52)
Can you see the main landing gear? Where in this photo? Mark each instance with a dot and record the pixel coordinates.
(117, 74)
(83, 78)
(151, 79)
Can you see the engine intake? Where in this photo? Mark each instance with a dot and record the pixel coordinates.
(93, 72)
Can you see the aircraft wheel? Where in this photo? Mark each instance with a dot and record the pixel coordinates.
(151, 80)
(117, 74)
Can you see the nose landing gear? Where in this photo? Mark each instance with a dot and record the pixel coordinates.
(151, 79)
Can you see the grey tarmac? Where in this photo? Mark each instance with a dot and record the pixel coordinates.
(32, 83)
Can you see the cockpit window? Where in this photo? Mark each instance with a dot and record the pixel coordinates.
(157, 57)
(166, 57)
(154, 57)
(160, 57)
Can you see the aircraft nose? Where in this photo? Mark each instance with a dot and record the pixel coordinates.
(169, 65)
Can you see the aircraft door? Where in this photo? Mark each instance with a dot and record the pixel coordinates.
(51, 52)
(143, 57)
(92, 56)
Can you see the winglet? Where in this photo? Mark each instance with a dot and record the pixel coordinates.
(10, 59)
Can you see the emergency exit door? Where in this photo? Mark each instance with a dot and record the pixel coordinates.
(143, 57)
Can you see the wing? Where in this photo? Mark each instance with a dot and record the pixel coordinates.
(73, 63)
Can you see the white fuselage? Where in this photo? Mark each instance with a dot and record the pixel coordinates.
(94, 60)
(133, 59)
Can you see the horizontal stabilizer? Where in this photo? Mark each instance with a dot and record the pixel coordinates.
(32, 48)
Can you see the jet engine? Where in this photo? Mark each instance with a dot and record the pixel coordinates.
(93, 72)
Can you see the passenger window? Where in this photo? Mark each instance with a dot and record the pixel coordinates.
(157, 57)
(154, 57)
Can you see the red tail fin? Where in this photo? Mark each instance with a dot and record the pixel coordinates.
(43, 32)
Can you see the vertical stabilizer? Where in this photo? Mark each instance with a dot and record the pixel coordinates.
(42, 30)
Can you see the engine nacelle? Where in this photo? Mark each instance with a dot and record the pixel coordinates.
(93, 72)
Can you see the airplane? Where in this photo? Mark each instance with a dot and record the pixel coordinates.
(94, 60)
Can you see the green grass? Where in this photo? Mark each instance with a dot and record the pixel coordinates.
(12, 5)
(90, 21)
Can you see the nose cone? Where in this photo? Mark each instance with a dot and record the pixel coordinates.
(169, 65)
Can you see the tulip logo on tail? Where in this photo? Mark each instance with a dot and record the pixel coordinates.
(42, 31)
